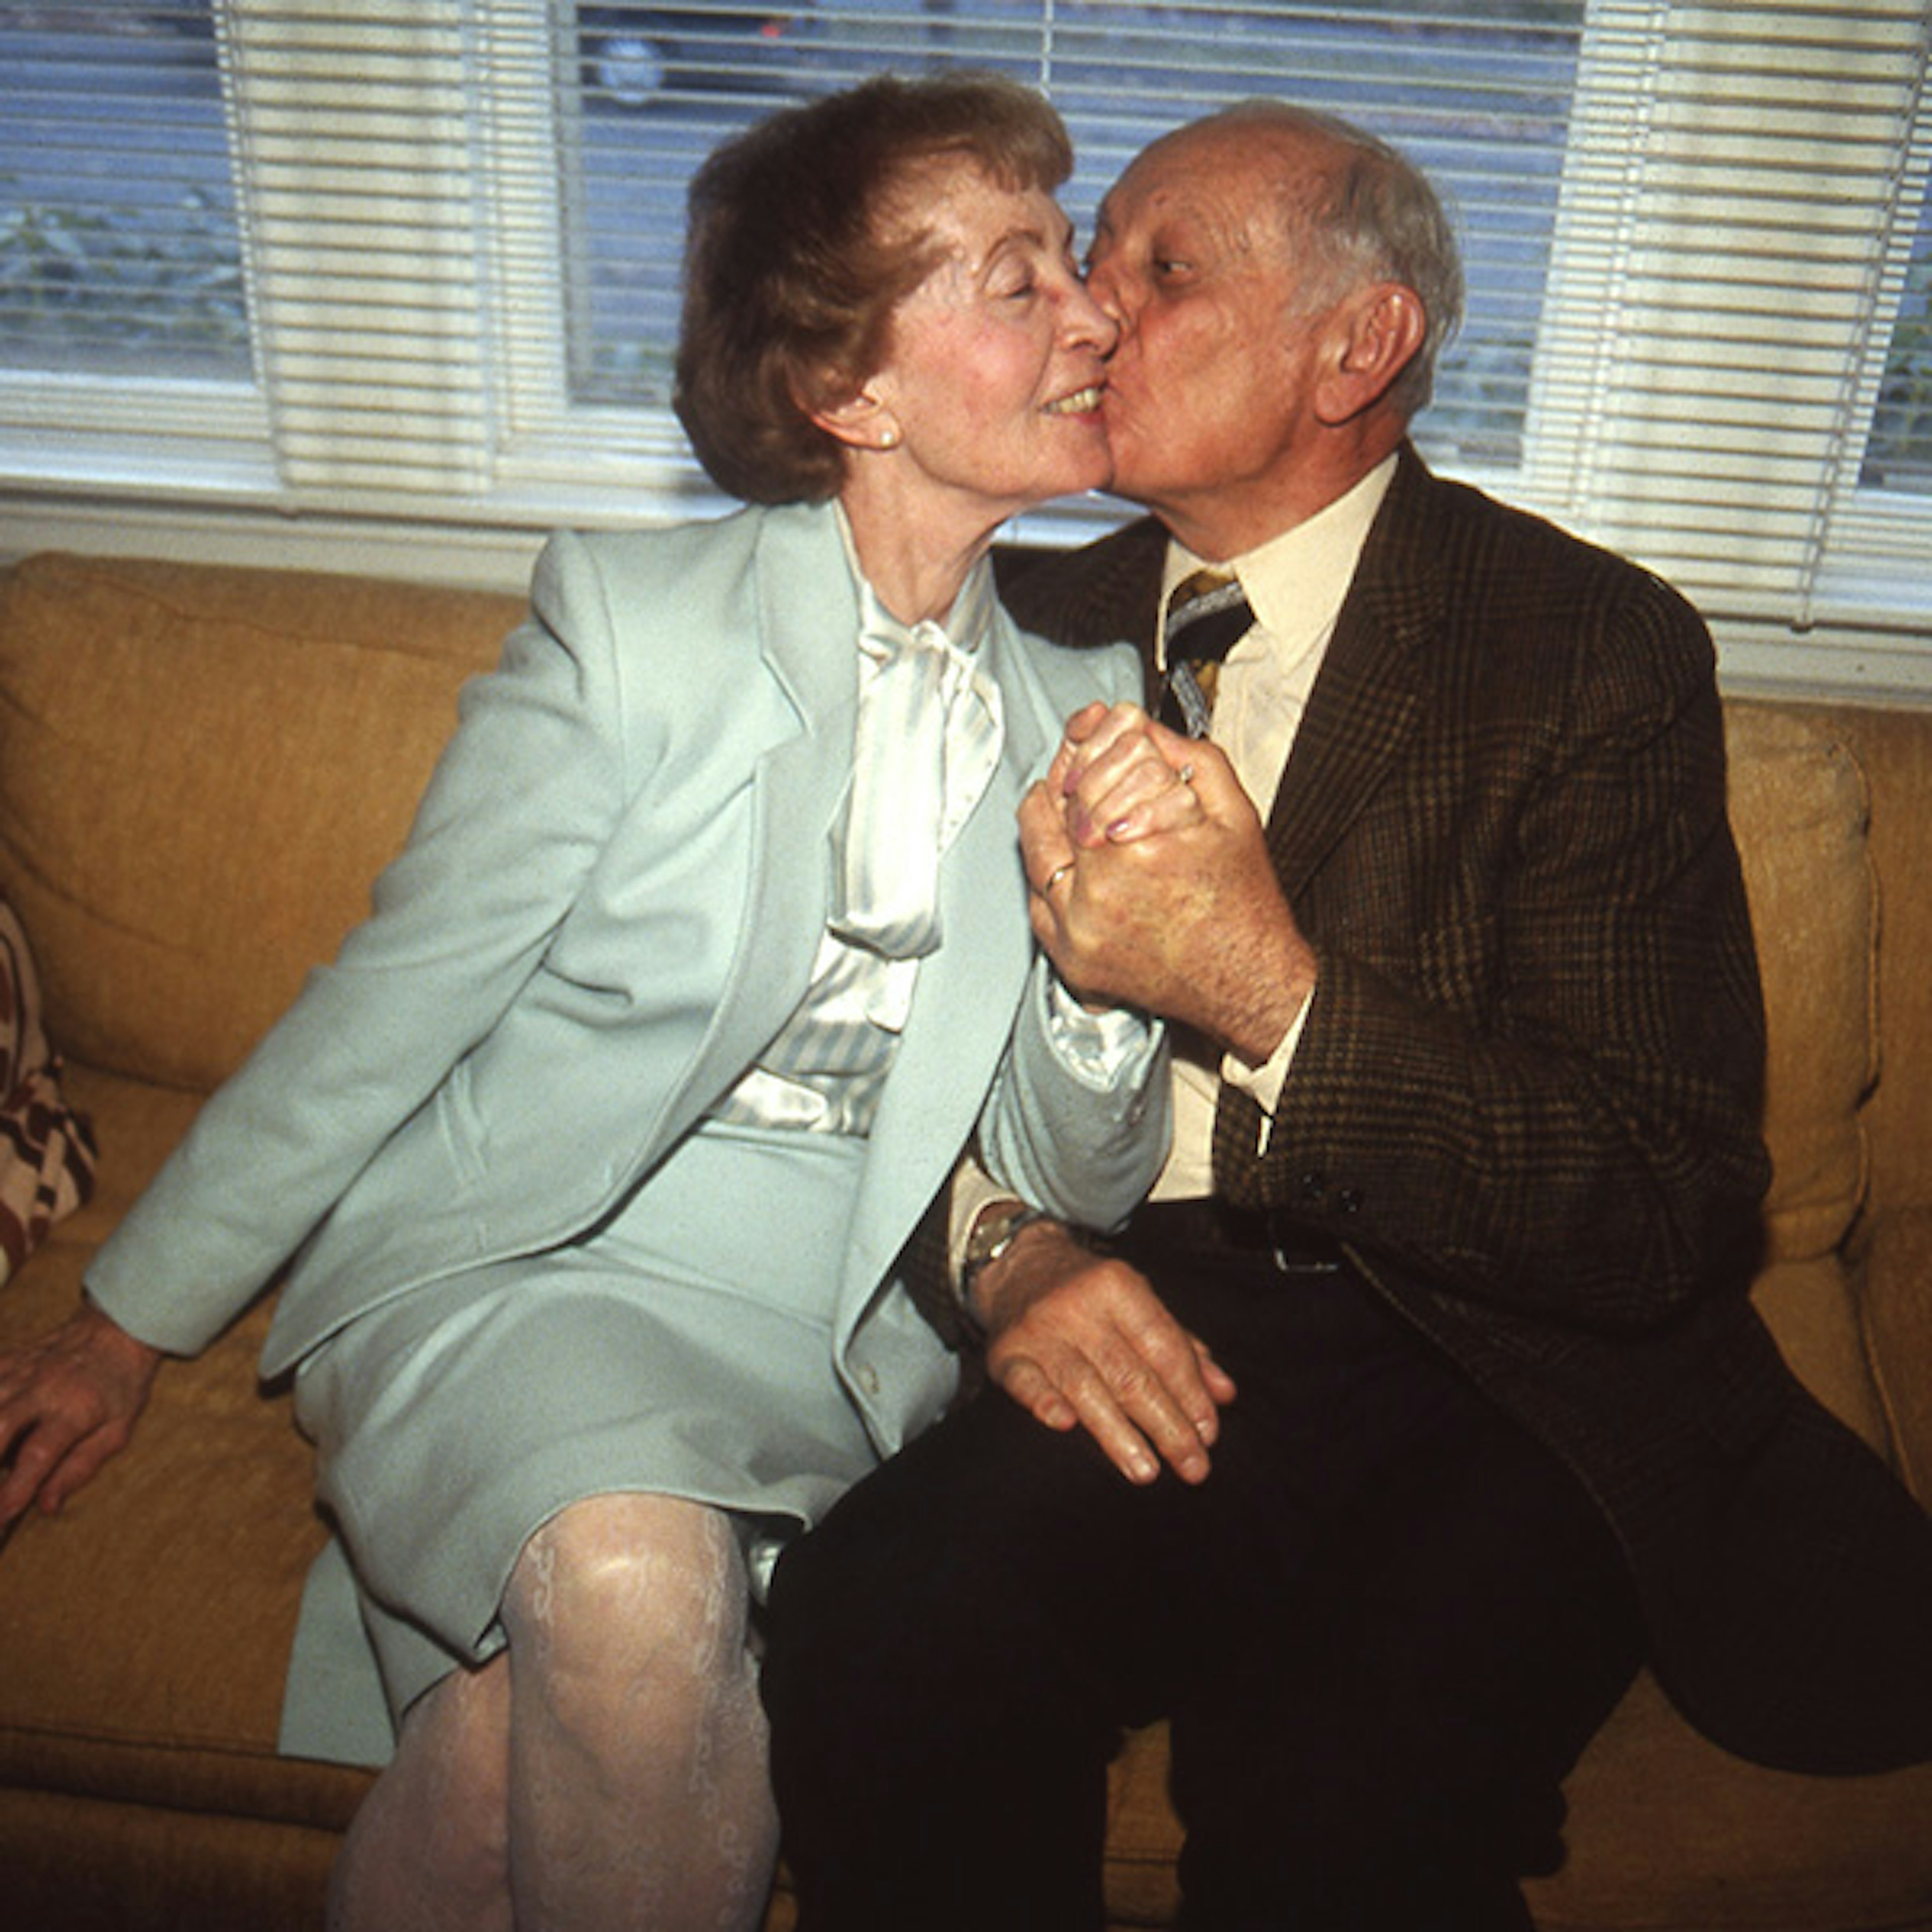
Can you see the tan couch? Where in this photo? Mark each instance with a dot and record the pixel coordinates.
(201, 769)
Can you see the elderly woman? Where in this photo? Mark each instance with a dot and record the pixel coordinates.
(708, 952)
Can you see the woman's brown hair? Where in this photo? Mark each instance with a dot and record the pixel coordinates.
(804, 237)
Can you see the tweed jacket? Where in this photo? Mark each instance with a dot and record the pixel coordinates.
(1526, 1094)
(610, 901)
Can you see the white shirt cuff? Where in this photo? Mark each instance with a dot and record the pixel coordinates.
(1263, 1084)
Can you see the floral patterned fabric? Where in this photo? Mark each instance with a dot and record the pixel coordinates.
(47, 1149)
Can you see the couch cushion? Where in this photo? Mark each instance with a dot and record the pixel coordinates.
(1666, 1830)
(1898, 1315)
(1799, 806)
(1812, 1307)
(146, 1628)
(1143, 1835)
(250, 708)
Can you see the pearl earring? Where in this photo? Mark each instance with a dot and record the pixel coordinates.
(889, 438)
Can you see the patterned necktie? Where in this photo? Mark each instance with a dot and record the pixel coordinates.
(1207, 616)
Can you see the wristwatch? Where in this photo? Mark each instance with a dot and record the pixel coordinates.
(996, 1230)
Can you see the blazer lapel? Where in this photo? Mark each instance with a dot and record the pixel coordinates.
(967, 990)
(807, 642)
(1369, 691)
(1372, 681)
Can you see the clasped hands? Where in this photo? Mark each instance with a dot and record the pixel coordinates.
(1152, 887)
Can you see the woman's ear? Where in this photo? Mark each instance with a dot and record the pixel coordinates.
(860, 420)
(1378, 332)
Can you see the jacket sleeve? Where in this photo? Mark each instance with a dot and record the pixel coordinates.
(1083, 1135)
(1083, 1138)
(522, 800)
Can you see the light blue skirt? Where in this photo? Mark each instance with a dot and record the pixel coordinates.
(681, 1350)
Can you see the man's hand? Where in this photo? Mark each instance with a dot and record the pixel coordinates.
(1185, 917)
(1080, 1341)
(67, 1403)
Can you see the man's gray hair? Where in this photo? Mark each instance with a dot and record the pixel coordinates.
(1376, 217)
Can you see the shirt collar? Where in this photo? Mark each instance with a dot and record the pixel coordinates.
(1295, 582)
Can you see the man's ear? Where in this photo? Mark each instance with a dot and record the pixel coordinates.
(1378, 332)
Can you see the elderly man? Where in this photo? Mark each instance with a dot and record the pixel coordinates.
(1423, 1402)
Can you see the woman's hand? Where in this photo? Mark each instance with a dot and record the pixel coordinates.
(68, 1402)
(1122, 776)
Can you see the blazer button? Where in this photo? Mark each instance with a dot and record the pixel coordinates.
(1349, 1201)
(1314, 1188)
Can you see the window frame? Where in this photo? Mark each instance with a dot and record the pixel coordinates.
(287, 471)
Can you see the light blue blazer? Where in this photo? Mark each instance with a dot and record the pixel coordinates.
(611, 899)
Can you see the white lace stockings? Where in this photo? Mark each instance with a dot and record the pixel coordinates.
(606, 1771)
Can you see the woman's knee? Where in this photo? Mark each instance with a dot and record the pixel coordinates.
(618, 1584)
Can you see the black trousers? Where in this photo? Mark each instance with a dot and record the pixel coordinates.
(1382, 1630)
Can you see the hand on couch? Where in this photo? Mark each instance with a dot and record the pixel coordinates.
(68, 1403)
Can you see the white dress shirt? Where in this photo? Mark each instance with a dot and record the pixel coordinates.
(1295, 584)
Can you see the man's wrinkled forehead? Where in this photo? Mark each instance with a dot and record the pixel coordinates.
(1162, 169)
(1232, 176)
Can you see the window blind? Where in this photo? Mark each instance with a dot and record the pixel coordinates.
(352, 135)
(1729, 254)
(126, 360)
(1479, 93)
(406, 270)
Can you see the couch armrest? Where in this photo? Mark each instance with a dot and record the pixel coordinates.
(1898, 1336)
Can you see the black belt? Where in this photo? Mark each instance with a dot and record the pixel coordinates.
(1214, 1227)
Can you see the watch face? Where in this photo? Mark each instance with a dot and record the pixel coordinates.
(993, 1231)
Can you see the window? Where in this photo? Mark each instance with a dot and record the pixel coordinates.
(1742, 188)
(125, 356)
(120, 253)
(391, 283)
(1898, 453)
(1481, 99)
